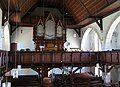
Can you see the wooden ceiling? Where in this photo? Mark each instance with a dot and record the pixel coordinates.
(77, 13)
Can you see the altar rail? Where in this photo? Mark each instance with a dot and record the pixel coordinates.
(80, 58)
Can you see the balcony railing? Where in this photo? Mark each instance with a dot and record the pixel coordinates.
(75, 58)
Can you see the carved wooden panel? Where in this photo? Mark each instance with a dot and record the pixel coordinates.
(85, 57)
(76, 57)
(27, 58)
(114, 57)
(108, 57)
(57, 57)
(66, 57)
(46, 57)
(37, 58)
(3, 57)
(102, 56)
(93, 56)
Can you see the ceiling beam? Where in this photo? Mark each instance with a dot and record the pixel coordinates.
(84, 7)
(107, 1)
(32, 21)
(15, 3)
(26, 6)
(99, 24)
(97, 18)
(3, 6)
(78, 31)
(16, 17)
(76, 69)
(100, 12)
(109, 69)
(75, 26)
(104, 7)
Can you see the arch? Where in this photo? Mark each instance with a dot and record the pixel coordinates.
(84, 39)
(110, 33)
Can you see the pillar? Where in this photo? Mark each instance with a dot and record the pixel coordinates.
(44, 72)
(105, 73)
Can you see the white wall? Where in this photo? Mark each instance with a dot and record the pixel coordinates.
(6, 37)
(107, 22)
(1, 29)
(116, 38)
(25, 71)
(114, 19)
(0, 17)
(21, 72)
(91, 40)
(23, 36)
(114, 75)
(74, 41)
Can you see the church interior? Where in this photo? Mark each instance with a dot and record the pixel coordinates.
(59, 43)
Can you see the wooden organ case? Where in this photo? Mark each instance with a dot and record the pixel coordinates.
(49, 35)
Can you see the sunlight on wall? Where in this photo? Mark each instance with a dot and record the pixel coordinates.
(1, 29)
(23, 36)
(72, 38)
(110, 33)
(6, 40)
(97, 43)
(84, 39)
(1, 37)
(0, 17)
(90, 41)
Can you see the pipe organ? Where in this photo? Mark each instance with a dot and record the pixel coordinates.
(49, 34)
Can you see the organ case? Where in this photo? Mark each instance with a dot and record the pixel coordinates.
(49, 35)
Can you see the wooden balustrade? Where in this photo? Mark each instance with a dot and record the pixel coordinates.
(3, 62)
(56, 57)
(3, 58)
(52, 57)
(110, 57)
